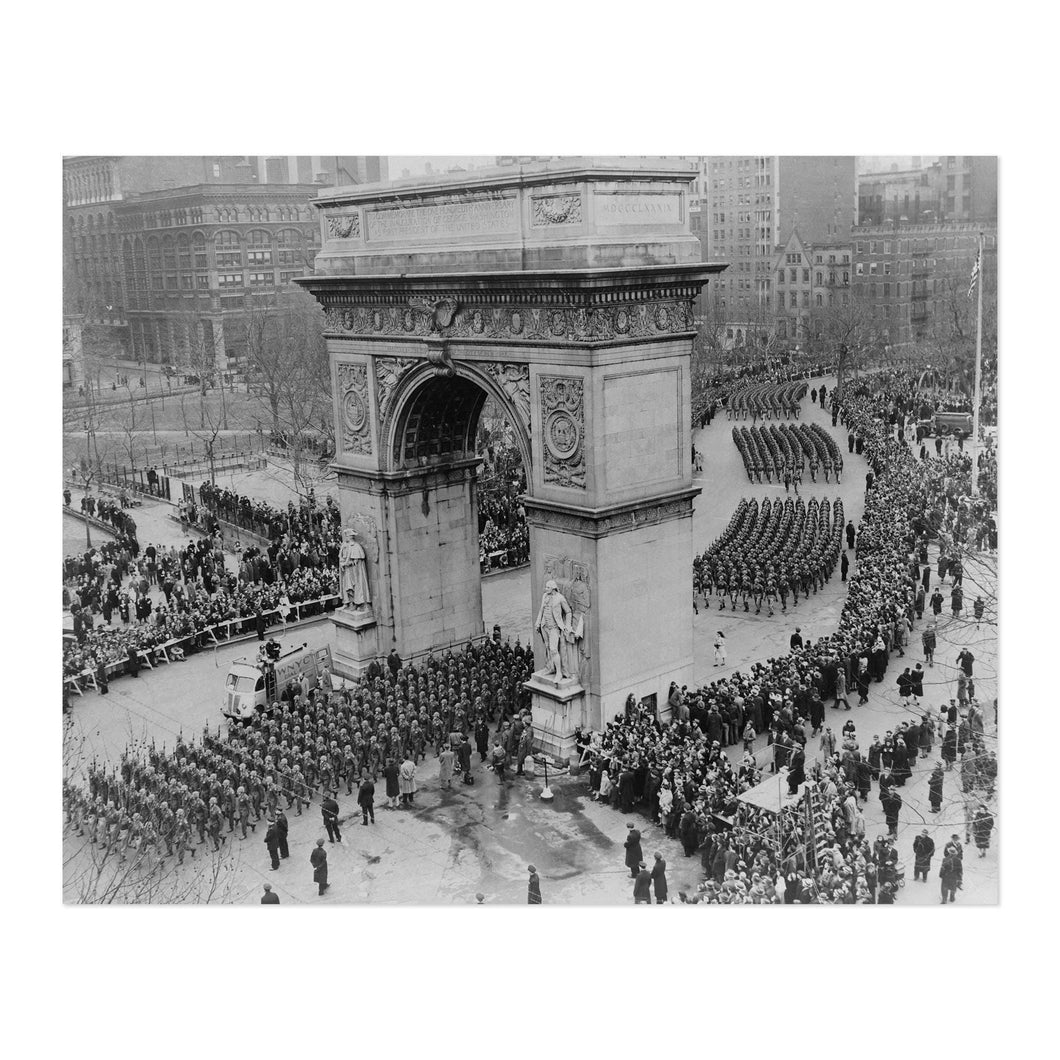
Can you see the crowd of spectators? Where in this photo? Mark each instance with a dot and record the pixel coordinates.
(679, 772)
(176, 596)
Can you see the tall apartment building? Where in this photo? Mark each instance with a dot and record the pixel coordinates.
(753, 205)
(124, 277)
(911, 278)
(953, 188)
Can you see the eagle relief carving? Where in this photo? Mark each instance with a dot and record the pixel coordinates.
(441, 311)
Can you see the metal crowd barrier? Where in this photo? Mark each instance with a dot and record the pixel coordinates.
(160, 653)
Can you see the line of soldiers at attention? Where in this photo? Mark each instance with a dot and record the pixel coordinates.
(783, 451)
(307, 745)
(768, 400)
(770, 551)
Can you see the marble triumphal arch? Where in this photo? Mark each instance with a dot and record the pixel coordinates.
(565, 292)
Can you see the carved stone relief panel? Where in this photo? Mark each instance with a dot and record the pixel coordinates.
(354, 412)
(563, 431)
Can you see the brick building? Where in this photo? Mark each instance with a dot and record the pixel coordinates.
(143, 251)
(809, 281)
(955, 188)
(911, 277)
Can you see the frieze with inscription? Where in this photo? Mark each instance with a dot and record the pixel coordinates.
(444, 220)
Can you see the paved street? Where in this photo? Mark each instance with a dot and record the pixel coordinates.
(457, 842)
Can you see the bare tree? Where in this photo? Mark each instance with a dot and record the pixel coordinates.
(288, 358)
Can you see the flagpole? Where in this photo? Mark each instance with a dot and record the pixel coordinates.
(978, 373)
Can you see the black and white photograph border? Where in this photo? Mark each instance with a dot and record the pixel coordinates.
(479, 413)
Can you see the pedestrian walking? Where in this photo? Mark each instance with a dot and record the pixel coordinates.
(719, 648)
(392, 775)
(270, 897)
(533, 887)
(319, 860)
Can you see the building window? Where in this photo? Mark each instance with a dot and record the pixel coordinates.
(217, 169)
(259, 248)
(229, 254)
(287, 277)
(805, 275)
(820, 277)
(187, 281)
(202, 282)
(793, 301)
(886, 268)
(230, 279)
(820, 301)
(886, 247)
(793, 275)
(872, 268)
(261, 279)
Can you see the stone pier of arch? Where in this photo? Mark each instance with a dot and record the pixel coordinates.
(565, 292)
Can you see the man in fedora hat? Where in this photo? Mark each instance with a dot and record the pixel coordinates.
(634, 854)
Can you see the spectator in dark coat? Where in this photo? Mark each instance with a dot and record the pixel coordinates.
(658, 877)
(634, 853)
(319, 860)
(923, 852)
(642, 886)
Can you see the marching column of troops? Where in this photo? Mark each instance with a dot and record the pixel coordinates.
(768, 552)
(308, 745)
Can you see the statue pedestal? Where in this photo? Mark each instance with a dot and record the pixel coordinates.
(558, 707)
(356, 642)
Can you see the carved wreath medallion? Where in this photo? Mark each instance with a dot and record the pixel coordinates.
(353, 408)
(563, 428)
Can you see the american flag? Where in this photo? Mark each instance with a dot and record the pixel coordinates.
(975, 271)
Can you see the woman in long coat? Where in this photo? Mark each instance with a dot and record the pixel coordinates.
(982, 826)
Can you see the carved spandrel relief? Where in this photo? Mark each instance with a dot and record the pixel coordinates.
(388, 373)
(354, 411)
(514, 380)
(563, 431)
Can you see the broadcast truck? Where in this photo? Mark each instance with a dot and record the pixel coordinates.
(253, 683)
